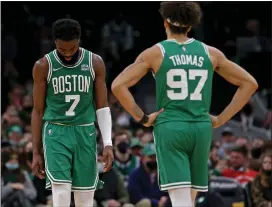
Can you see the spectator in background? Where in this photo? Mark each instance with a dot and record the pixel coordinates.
(143, 186)
(227, 142)
(242, 141)
(15, 134)
(136, 146)
(17, 189)
(113, 193)
(16, 96)
(239, 166)
(220, 167)
(257, 147)
(261, 190)
(147, 137)
(214, 158)
(256, 151)
(139, 133)
(10, 117)
(124, 161)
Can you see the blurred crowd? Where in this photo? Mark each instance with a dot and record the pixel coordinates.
(240, 166)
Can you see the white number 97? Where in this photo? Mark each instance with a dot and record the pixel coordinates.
(182, 84)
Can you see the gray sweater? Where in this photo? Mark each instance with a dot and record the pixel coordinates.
(29, 190)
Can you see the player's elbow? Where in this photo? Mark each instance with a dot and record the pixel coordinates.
(252, 84)
(115, 86)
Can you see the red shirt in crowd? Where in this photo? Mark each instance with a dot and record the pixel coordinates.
(243, 176)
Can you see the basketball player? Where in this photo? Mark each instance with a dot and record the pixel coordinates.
(183, 69)
(69, 92)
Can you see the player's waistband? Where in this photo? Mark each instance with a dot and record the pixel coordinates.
(61, 124)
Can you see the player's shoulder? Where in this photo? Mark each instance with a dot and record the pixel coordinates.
(42, 63)
(98, 64)
(153, 52)
(40, 69)
(216, 55)
(96, 57)
(214, 51)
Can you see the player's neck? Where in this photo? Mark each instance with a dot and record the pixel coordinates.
(178, 37)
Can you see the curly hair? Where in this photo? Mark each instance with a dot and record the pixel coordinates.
(180, 15)
(66, 29)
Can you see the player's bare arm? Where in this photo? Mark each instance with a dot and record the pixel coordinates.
(131, 75)
(103, 110)
(237, 76)
(40, 71)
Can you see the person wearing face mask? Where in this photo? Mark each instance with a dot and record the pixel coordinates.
(15, 133)
(143, 187)
(124, 161)
(113, 193)
(261, 187)
(16, 187)
(227, 142)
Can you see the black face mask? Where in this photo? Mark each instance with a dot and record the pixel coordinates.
(256, 152)
(123, 147)
(152, 165)
(70, 62)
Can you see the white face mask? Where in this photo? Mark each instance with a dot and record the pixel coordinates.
(100, 167)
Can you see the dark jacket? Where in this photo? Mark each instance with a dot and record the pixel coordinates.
(141, 187)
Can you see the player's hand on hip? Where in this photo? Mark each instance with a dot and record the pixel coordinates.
(108, 158)
(38, 165)
(216, 122)
(152, 118)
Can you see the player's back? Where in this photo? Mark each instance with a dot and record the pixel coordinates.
(184, 82)
(69, 98)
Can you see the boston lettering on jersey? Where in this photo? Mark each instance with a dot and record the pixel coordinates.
(184, 82)
(69, 98)
(68, 83)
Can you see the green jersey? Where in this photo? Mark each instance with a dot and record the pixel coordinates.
(69, 98)
(184, 82)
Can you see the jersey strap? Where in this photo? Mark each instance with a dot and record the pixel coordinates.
(49, 75)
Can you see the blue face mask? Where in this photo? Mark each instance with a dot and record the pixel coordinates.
(12, 166)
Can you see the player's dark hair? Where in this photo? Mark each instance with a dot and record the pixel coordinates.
(185, 13)
(66, 29)
(241, 149)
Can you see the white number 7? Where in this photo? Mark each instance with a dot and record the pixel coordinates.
(76, 99)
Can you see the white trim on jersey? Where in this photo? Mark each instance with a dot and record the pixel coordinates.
(161, 48)
(91, 65)
(49, 75)
(75, 65)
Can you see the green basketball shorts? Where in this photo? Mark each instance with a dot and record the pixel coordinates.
(70, 156)
(182, 154)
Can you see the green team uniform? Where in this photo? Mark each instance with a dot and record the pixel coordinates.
(183, 131)
(69, 135)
